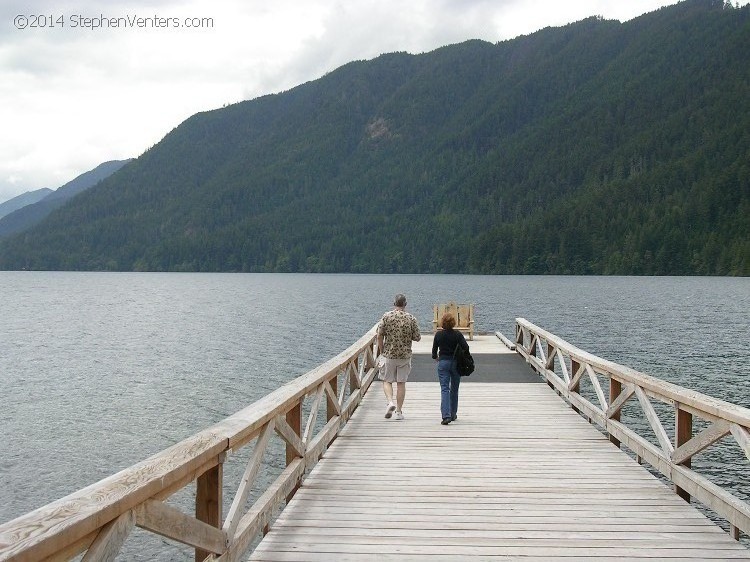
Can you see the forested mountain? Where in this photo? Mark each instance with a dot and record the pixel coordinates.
(22, 200)
(33, 213)
(598, 147)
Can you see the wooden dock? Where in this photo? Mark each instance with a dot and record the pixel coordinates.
(533, 469)
(519, 475)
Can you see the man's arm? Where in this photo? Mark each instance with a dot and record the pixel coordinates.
(380, 332)
(415, 335)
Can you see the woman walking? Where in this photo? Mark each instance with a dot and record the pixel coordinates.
(443, 349)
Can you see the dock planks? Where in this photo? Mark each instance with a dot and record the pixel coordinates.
(518, 476)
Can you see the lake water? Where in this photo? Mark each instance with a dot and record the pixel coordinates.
(101, 370)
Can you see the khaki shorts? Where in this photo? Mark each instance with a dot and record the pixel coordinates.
(395, 370)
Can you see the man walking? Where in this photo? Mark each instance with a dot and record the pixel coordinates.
(396, 331)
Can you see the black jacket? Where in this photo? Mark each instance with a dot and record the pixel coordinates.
(446, 341)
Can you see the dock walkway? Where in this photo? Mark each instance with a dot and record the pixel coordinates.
(518, 476)
(531, 470)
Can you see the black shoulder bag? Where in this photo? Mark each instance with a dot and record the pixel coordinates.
(464, 361)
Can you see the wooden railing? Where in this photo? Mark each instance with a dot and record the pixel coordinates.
(98, 519)
(566, 368)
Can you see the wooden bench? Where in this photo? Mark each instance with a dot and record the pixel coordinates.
(463, 313)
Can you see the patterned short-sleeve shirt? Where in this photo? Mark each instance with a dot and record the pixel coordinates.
(399, 329)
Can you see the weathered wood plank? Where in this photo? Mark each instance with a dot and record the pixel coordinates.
(654, 421)
(408, 550)
(262, 511)
(707, 437)
(334, 408)
(563, 366)
(618, 401)
(506, 342)
(290, 437)
(320, 443)
(50, 529)
(742, 436)
(389, 556)
(246, 482)
(545, 485)
(597, 387)
(527, 463)
(110, 539)
(209, 500)
(170, 522)
(312, 418)
(671, 392)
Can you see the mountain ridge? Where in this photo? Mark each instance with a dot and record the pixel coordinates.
(598, 147)
(29, 215)
(22, 200)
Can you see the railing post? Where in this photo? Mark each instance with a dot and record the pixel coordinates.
(615, 388)
(208, 500)
(682, 434)
(551, 356)
(294, 419)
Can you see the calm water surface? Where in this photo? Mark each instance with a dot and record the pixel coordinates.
(100, 370)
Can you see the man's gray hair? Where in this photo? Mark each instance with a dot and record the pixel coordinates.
(400, 300)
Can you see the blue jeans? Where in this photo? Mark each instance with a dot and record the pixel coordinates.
(449, 381)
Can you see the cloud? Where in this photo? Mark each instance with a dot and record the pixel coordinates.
(73, 96)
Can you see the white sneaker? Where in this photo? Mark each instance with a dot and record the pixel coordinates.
(389, 410)
(399, 416)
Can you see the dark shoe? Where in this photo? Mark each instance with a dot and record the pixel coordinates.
(454, 418)
(445, 421)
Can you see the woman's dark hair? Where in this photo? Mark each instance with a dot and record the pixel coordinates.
(447, 321)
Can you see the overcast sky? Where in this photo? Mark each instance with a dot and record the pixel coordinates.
(90, 81)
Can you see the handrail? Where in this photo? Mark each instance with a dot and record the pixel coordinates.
(549, 355)
(98, 519)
